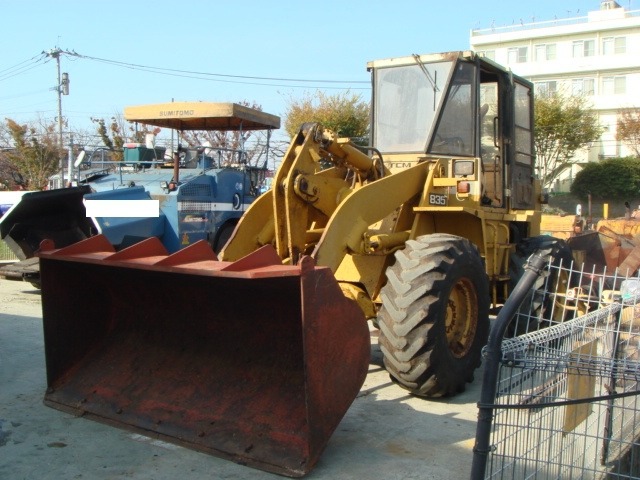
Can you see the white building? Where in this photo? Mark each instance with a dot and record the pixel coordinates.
(597, 55)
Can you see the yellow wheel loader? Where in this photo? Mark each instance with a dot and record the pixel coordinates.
(257, 354)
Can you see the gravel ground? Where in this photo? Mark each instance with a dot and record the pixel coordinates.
(386, 434)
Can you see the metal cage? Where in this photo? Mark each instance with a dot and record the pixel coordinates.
(560, 401)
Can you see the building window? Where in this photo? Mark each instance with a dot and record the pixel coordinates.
(584, 48)
(545, 88)
(589, 86)
(517, 55)
(545, 52)
(583, 86)
(614, 45)
(614, 85)
(490, 54)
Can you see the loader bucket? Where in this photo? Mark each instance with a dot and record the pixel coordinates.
(602, 250)
(253, 361)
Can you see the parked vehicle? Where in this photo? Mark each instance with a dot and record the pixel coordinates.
(199, 198)
(255, 354)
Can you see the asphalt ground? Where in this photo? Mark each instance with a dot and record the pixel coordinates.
(386, 434)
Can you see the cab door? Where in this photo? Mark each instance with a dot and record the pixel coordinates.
(522, 164)
(506, 145)
(493, 129)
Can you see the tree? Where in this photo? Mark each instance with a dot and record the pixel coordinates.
(119, 132)
(344, 113)
(612, 179)
(628, 130)
(34, 154)
(563, 125)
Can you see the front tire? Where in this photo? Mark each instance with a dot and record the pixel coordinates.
(434, 318)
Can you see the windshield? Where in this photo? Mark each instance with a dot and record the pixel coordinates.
(405, 105)
(455, 132)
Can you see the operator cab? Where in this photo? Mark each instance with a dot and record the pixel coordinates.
(458, 105)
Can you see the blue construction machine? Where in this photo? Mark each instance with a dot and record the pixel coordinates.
(200, 193)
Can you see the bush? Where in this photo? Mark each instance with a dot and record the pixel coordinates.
(616, 178)
(344, 113)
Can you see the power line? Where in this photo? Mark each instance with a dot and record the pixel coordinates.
(30, 60)
(45, 57)
(228, 78)
(22, 67)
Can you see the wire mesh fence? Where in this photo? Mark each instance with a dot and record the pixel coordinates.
(561, 402)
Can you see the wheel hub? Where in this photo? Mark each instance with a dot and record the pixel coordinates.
(462, 318)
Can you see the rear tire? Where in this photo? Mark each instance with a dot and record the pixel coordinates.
(434, 318)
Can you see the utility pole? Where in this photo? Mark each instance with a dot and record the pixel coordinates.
(62, 88)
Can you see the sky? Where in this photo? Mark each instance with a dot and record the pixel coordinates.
(126, 53)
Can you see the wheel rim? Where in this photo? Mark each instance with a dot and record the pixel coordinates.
(461, 318)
